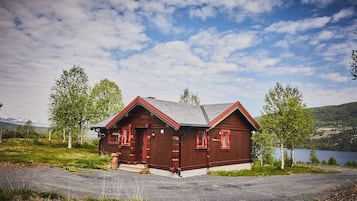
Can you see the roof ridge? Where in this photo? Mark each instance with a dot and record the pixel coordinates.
(204, 114)
(231, 103)
(169, 101)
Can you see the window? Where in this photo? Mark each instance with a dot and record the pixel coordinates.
(225, 141)
(113, 138)
(201, 139)
(125, 137)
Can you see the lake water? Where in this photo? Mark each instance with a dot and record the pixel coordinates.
(304, 154)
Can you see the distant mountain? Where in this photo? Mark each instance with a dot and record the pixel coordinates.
(12, 124)
(344, 115)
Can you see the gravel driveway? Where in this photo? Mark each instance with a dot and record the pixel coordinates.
(119, 184)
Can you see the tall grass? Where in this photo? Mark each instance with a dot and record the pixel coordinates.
(34, 152)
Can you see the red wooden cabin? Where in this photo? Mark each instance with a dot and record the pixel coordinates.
(180, 140)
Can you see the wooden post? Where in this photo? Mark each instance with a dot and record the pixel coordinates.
(115, 161)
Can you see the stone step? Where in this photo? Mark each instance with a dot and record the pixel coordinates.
(139, 168)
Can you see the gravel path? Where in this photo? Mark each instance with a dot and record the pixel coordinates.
(119, 184)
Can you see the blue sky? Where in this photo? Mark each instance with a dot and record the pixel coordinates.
(226, 51)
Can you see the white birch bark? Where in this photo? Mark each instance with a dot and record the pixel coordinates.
(63, 136)
(282, 156)
(292, 156)
(70, 139)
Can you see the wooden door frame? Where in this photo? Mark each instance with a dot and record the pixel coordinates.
(144, 143)
(144, 146)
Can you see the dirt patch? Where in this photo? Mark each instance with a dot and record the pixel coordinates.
(348, 193)
(23, 165)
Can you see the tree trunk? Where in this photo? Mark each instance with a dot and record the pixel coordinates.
(49, 135)
(292, 155)
(63, 136)
(79, 138)
(282, 156)
(261, 160)
(0, 135)
(69, 138)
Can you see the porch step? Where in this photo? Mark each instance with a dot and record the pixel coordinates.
(138, 168)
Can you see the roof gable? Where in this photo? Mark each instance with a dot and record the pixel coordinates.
(232, 108)
(176, 114)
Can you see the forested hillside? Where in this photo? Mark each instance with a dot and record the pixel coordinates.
(6, 126)
(344, 115)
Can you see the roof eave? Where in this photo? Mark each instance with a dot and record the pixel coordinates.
(140, 101)
(229, 111)
(195, 125)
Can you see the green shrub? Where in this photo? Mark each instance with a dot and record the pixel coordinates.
(332, 161)
(351, 164)
(324, 162)
(313, 157)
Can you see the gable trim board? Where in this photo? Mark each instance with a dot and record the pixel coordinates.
(174, 122)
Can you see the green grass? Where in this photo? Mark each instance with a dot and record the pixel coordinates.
(27, 194)
(33, 195)
(51, 153)
(271, 170)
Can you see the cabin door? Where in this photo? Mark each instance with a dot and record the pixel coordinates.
(141, 145)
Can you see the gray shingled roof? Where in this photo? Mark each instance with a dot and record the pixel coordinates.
(213, 110)
(185, 115)
(103, 123)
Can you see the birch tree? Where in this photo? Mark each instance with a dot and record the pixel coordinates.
(69, 101)
(302, 125)
(107, 100)
(29, 128)
(187, 97)
(263, 147)
(284, 115)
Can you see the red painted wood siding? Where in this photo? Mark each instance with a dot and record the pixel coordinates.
(240, 142)
(160, 148)
(107, 148)
(191, 157)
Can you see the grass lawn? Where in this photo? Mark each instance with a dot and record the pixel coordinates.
(33, 195)
(271, 170)
(32, 152)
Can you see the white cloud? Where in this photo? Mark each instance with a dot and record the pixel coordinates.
(293, 27)
(211, 45)
(257, 6)
(316, 95)
(261, 63)
(321, 37)
(111, 40)
(281, 43)
(319, 3)
(51, 36)
(203, 13)
(337, 51)
(344, 13)
(334, 77)
(325, 35)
